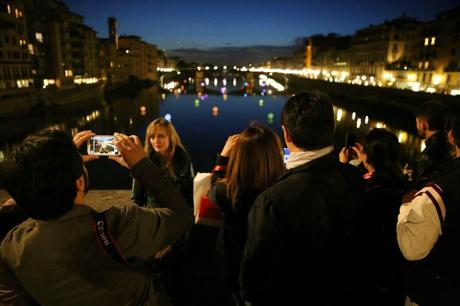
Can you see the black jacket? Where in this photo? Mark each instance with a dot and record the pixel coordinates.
(384, 192)
(233, 234)
(303, 238)
(183, 179)
(433, 160)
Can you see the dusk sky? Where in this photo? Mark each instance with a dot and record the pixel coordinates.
(174, 24)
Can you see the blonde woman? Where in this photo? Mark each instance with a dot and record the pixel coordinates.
(255, 161)
(165, 149)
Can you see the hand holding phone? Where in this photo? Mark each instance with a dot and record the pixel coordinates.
(102, 145)
(130, 148)
(350, 141)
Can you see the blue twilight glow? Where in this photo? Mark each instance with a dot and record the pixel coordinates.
(204, 24)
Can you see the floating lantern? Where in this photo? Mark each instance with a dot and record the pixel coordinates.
(215, 111)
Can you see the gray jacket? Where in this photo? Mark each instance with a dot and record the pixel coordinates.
(59, 262)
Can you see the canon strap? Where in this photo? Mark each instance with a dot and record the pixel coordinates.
(105, 240)
(99, 224)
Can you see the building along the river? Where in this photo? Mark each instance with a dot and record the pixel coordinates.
(15, 51)
(50, 57)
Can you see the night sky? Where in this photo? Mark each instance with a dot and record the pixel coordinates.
(174, 24)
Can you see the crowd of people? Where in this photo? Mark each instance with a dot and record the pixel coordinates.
(330, 226)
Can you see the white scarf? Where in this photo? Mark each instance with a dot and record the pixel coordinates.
(300, 158)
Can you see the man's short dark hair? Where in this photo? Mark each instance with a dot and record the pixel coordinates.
(40, 174)
(309, 119)
(435, 113)
(455, 127)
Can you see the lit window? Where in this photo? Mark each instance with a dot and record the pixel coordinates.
(8, 8)
(39, 37)
(433, 40)
(20, 13)
(420, 65)
(31, 48)
(47, 82)
(427, 41)
(16, 12)
(427, 64)
(437, 79)
(22, 83)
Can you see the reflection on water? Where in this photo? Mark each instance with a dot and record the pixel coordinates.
(127, 115)
(360, 124)
(205, 121)
(124, 115)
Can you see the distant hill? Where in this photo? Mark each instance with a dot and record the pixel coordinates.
(232, 55)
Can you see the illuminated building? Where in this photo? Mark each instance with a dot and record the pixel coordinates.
(437, 56)
(58, 43)
(376, 47)
(137, 58)
(15, 62)
(331, 54)
(84, 50)
(123, 56)
(108, 61)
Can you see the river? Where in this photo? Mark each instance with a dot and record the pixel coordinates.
(203, 121)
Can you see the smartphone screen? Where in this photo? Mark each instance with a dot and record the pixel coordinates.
(102, 145)
(287, 153)
(350, 140)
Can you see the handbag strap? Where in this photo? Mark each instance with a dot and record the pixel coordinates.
(439, 205)
(99, 225)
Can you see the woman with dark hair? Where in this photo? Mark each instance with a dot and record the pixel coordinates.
(165, 149)
(255, 161)
(385, 186)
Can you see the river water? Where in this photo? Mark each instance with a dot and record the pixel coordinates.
(203, 121)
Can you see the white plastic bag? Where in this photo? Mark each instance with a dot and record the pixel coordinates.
(201, 185)
(206, 212)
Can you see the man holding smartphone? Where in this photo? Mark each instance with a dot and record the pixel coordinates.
(55, 255)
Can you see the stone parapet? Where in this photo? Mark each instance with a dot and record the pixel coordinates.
(97, 199)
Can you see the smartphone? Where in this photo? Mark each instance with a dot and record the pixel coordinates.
(102, 145)
(350, 140)
(287, 153)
